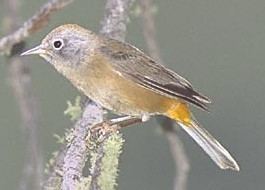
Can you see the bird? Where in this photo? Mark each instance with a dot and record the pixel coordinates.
(126, 81)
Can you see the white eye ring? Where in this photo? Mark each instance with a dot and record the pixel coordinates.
(57, 44)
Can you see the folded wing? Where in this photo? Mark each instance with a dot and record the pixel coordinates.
(133, 64)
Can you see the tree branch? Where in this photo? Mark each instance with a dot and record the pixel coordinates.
(116, 17)
(176, 146)
(77, 152)
(178, 152)
(20, 80)
(32, 25)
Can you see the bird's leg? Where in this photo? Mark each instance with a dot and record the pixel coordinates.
(114, 124)
(125, 121)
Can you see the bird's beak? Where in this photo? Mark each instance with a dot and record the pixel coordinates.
(36, 50)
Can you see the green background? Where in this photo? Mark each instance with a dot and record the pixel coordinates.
(218, 45)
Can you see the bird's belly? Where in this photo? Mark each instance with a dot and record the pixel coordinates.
(124, 96)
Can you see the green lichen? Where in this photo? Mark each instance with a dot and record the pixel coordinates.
(74, 110)
(69, 136)
(136, 11)
(84, 183)
(50, 162)
(59, 139)
(109, 169)
(54, 184)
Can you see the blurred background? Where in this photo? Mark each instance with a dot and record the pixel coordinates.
(218, 45)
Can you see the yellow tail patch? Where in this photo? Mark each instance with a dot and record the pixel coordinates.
(180, 112)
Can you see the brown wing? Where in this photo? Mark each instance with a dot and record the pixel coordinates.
(133, 64)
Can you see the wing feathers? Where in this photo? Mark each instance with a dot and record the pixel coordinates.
(185, 93)
(133, 64)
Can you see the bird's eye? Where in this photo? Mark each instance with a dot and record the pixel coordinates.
(58, 44)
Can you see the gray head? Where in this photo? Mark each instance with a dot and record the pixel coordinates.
(65, 45)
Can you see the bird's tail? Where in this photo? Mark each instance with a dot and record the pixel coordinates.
(181, 114)
(210, 145)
